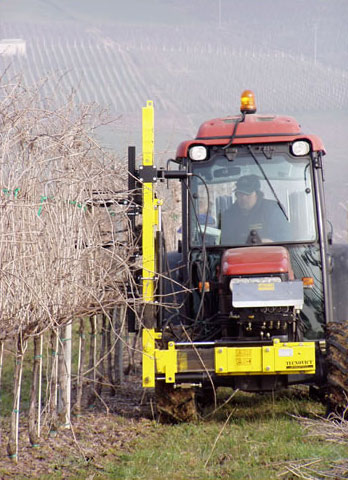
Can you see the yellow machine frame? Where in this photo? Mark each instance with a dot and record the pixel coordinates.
(274, 359)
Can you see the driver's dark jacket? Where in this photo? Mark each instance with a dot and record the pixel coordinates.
(265, 220)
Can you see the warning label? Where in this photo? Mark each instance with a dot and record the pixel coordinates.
(243, 356)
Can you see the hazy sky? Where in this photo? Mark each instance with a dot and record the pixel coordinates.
(178, 12)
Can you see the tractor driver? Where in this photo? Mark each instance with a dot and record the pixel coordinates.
(252, 219)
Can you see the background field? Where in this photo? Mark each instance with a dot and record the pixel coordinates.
(193, 59)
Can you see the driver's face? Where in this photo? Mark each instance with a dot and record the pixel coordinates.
(245, 201)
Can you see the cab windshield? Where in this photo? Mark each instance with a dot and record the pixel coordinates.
(255, 196)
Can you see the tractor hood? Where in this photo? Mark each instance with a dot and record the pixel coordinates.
(256, 261)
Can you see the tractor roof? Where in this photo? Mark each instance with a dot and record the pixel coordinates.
(254, 129)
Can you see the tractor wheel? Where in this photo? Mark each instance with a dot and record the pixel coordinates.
(337, 379)
(175, 405)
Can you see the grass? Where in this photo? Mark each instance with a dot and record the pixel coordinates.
(257, 451)
(258, 442)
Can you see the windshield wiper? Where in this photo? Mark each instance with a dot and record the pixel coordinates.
(281, 206)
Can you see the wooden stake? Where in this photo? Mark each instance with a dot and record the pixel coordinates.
(80, 367)
(1, 364)
(65, 376)
(54, 382)
(33, 437)
(40, 389)
(101, 369)
(92, 359)
(12, 446)
(110, 368)
(67, 364)
(118, 317)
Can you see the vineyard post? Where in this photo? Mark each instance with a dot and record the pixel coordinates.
(35, 385)
(94, 339)
(92, 359)
(1, 364)
(12, 446)
(40, 389)
(76, 409)
(65, 375)
(67, 363)
(118, 354)
(109, 349)
(101, 367)
(53, 386)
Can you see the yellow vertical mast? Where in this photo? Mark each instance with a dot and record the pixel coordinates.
(149, 218)
(147, 174)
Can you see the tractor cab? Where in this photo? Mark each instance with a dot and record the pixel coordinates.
(252, 195)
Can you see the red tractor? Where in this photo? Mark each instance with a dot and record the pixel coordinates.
(246, 300)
